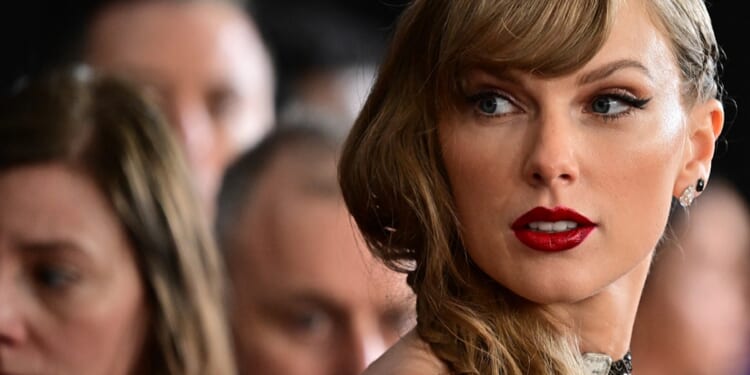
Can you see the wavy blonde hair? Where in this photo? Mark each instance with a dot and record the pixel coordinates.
(103, 127)
(394, 183)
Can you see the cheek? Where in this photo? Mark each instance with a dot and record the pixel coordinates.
(484, 177)
(480, 167)
(248, 124)
(266, 348)
(103, 334)
(637, 177)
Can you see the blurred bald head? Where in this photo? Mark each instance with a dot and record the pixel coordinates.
(308, 297)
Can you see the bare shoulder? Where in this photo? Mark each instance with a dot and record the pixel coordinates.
(409, 356)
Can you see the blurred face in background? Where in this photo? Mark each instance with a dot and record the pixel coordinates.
(309, 298)
(71, 298)
(693, 318)
(204, 64)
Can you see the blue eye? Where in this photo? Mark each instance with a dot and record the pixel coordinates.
(615, 105)
(492, 104)
(609, 106)
(51, 277)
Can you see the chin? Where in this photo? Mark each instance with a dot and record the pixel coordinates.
(554, 292)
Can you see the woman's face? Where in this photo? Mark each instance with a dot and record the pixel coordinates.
(563, 185)
(71, 298)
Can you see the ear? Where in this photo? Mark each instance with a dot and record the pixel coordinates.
(705, 123)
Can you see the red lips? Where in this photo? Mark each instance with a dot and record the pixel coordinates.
(544, 239)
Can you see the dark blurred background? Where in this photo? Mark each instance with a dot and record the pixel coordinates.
(38, 33)
(731, 161)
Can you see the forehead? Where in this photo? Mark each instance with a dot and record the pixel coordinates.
(169, 40)
(55, 204)
(302, 243)
(313, 244)
(554, 43)
(636, 36)
(634, 44)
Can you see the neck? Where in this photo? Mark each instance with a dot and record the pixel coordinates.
(604, 322)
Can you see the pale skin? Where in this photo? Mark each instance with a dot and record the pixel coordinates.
(308, 297)
(547, 142)
(204, 64)
(71, 297)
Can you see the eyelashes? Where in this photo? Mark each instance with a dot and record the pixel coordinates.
(615, 105)
(492, 104)
(608, 106)
(633, 101)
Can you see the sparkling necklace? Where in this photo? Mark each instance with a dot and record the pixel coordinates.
(602, 364)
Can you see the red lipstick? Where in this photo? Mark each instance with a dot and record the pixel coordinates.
(552, 230)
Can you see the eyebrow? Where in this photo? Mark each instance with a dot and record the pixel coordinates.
(52, 246)
(303, 299)
(611, 68)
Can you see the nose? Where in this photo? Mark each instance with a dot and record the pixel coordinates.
(196, 130)
(192, 123)
(12, 327)
(364, 346)
(551, 159)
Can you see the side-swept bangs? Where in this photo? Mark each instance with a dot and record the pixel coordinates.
(548, 38)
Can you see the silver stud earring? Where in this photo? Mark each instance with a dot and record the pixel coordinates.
(687, 196)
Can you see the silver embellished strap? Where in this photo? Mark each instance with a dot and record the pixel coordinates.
(602, 364)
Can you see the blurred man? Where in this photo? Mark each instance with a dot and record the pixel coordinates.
(308, 298)
(204, 63)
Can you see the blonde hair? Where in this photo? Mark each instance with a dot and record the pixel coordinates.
(395, 185)
(103, 127)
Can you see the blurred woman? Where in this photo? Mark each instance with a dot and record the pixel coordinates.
(693, 316)
(106, 266)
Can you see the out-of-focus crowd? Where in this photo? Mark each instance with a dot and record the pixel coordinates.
(169, 204)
